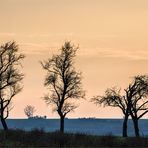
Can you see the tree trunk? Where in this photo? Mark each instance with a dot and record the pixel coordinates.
(124, 131)
(62, 124)
(4, 124)
(136, 127)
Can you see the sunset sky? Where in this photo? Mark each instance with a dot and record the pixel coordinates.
(112, 36)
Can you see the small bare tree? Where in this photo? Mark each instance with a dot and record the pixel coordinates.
(63, 81)
(114, 98)
(10, 78)
(29, 111)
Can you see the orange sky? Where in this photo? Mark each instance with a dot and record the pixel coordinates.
(112, 36)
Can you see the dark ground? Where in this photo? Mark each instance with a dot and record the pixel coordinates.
(39, 138)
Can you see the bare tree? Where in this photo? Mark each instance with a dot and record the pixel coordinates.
(134, 102)
(10, 78)
(63, 81)
(137, 94)
(29, 111)
(113, 98)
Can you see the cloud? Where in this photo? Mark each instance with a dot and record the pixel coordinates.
(45, 48)
(7, 34)
(36, 49)
(90, 45)
(125, 53)
(48, 35)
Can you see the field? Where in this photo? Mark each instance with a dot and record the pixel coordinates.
(78, 133)
(100, 127)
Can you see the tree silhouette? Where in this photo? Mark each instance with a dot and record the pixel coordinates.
(112, 97)
(63, 81)
(137, 94)
(134, 102)
(10, 78)
(29, 111)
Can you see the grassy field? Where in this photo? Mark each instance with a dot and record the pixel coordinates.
(39, 138)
